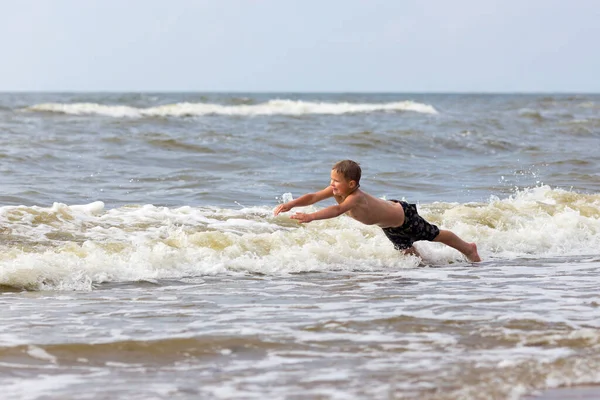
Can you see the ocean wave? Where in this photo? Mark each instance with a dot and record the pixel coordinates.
(76, 247)
(272, 107)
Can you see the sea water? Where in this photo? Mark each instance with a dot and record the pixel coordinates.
(140, 257)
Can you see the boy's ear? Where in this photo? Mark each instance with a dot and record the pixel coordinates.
(352, 184)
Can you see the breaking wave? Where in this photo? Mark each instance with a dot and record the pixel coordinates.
(75, 247)
(272, 107)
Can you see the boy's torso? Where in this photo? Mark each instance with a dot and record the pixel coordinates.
(373, 211)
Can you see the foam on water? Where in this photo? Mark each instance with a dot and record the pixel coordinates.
(74, 247)
(437, 339)
(272, 107)
(38, 387)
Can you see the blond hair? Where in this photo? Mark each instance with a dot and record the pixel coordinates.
(349, 169)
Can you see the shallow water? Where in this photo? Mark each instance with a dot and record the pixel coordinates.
(140, 257)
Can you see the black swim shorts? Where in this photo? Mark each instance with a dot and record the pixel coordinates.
(414, 228)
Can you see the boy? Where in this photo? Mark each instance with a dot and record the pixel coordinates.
(399, 220)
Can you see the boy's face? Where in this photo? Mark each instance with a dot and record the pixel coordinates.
(341, 187)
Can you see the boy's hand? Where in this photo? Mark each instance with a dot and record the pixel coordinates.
(282, 208)
(303, 218)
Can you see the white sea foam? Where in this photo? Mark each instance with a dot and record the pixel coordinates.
(272, 107)
(41, 386)
(73, 247)
(40, 354)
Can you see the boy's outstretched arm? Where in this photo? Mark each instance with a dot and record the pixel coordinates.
(305, 200)
(326, 213)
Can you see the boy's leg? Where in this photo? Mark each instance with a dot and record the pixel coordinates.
(450, 239)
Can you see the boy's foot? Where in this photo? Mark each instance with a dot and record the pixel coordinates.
(473, 255)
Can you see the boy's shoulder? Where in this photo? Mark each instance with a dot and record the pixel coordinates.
(357, 195)
(360, 193)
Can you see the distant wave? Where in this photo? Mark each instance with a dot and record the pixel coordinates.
(272, 107)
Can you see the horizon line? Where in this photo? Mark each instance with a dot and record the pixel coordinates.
(491, 92)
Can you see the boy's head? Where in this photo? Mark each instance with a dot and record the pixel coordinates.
(350, 171)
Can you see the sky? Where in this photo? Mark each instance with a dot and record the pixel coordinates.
(300, 45)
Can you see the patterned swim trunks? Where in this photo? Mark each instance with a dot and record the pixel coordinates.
(414, 228)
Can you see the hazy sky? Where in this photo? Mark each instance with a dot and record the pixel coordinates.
(300, 45)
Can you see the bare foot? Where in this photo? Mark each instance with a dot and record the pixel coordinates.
(473, 255)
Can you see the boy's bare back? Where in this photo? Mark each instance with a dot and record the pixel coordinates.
(373, 211)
